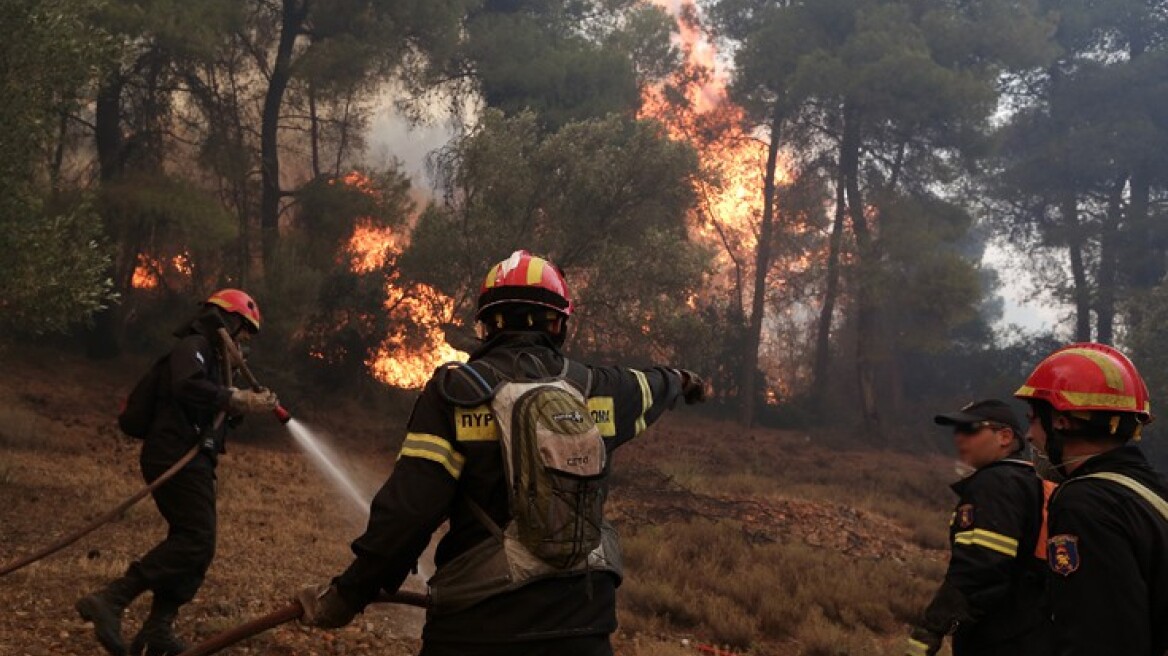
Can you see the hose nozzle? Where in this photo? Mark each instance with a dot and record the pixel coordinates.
(282, 414)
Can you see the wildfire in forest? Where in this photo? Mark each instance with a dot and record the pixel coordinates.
(404, 359)
(732, 159)
(148, 271)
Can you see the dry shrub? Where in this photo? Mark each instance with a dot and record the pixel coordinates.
(821, 637)
(709, 578)
(19, 426)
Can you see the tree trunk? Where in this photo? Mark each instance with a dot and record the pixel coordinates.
(291, 26)
(103, 339)
(314, 131)
(867, 317)
(761, 268)
(820, 373)
(1109, 248)
(1081, 290)
(1147, 256)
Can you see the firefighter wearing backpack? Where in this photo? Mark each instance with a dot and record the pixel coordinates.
(991, 598)
(514, 449)
(1108, 521)
(188, 396)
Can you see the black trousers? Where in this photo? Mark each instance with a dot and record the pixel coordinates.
(175, 568)
(595, 645)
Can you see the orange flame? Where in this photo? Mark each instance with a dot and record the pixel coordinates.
(145, 276)
(148, 271)
(732, 159)
(730, 156)
(403, 360)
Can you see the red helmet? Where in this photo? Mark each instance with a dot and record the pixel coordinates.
(240, 303)
(1089, 377)
(525, 278)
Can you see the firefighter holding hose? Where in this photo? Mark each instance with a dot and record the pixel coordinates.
(514, 449)
(186, 408)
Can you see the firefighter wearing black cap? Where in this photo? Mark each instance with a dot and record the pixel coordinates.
(190, 394)
(1108, 521)
(489, 595)
(991, 598)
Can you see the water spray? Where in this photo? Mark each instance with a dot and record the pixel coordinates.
(293, 611)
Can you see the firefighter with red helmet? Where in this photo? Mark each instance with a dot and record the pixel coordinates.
(489, 597)
(991, 600)
(191, 393)
(1107, 549)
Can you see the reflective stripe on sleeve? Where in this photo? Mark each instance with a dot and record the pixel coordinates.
(993, 541)
(432, 447)
(646, 400)
(916, 648)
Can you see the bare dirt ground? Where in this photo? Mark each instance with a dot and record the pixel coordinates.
(63, 463)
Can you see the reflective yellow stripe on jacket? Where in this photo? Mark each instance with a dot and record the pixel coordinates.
(432, 447)
(646, 400)
(993, 541)
(916, 648)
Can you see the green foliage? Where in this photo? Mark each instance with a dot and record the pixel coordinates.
(54, 267)
(567, 61)
(605, 199)
(52, 261)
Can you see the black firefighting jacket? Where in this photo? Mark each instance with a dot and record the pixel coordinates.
(452, 453)
(189, 397)
(1108, 556)
(993, 589)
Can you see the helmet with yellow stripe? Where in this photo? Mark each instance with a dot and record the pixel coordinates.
(527, 279)
(1086, 378)
(239, 303)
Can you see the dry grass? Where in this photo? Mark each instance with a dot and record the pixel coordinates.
(711, 580)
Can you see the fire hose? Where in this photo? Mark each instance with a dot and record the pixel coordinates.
(235, 356)
(232, 355)
(104, 519)
(293, 611)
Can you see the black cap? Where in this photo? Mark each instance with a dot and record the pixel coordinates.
(989, 410)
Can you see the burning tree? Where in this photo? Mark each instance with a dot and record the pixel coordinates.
(604, 199)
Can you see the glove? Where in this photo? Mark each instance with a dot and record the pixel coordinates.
(323, 607)
(250, 401)
(693, 388)
(922, 642)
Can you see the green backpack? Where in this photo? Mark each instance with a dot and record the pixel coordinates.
(557, 468)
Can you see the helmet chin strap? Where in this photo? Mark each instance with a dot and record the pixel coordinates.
(1054, 438)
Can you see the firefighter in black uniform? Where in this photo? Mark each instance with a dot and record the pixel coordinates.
(190, 396)
(1108, 521)
(450, 467)
(991, 599)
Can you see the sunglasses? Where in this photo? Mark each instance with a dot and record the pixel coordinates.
(975, 427)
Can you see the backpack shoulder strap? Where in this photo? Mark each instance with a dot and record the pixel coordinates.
(1153, 499)
(578, 375)
(484, 519)
(473, 386)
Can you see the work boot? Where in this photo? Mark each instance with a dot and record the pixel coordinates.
(157, 635)
(105, 607)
